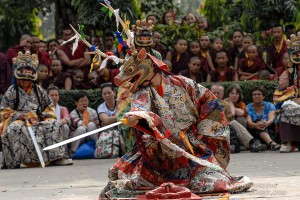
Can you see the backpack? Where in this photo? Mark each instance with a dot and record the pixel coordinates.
(110, 144)
(234, 142)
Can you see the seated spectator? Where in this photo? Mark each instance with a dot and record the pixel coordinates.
(247, 41)
(61, 113)
(107, 110)
(77, 80)
(93, 76)
(153, 18)
(244, 137)
(43, 57)
(204, 43)
(235, 97)
(217, 46)
(202, 23)
(24, 45)
(53, 45)
(264, 75)
(194, 70)
(289, 30)
(84, 119)
(43, 73)
(108, 46)
(107, 75)
(58, 78)
(261, 116)
(250, 66)
(168, 17)
(237, 51)
(189, 19)
(194, 50)
(97, 42)
(276, 51)
(223, 72)
(286, 100)
(179, 57)
(158, 46)
(43, 46)
(73, 60)
(5, 73)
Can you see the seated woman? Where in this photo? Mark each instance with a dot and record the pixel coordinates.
(61, 113)
(235, 97)
(286, 100)
(58, 78)
(84, 119)
(261, 115)
(107, 110)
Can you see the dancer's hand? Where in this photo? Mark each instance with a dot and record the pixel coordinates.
(132, 120)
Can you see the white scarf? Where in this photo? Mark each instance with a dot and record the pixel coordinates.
(57, 112)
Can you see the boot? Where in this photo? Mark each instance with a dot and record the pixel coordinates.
(257, 146)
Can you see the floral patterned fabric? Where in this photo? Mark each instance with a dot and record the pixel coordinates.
(181, 113)
(16, 141)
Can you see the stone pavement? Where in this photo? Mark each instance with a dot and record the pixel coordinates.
(276, 176)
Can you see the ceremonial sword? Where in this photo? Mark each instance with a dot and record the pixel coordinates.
(36, 146)
(81, 136)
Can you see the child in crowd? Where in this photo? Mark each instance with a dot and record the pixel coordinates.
(247, 41)
(223, 72)
(77, 80)
(194, 70)
(264, 75)
(93, 76)
(156, 45)
(84, 119)
(43, 73)
(179, 57)
(216, 47)
(58, 78)
(250, 66)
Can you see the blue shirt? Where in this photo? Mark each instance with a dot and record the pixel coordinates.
(268, 107)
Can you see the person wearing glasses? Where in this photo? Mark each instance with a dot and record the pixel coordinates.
(261, 116)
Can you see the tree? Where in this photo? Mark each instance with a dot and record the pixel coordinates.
(19, 17)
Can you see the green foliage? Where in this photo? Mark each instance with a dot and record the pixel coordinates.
(90, 13)
(19, 17)
(158, 8)
(170, 33)
(254, 15)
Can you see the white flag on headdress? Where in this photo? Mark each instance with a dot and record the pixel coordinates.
(116, 12)
(104, 62)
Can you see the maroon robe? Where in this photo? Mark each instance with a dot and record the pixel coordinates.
(13, 52)
(258, 65)
(181, 64)
(228, 76)
(5, 73)
(275, 58)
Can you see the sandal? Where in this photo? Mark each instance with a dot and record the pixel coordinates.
(274, 146)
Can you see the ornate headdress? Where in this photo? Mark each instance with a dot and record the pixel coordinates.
(294, 48)
(25, 66)
(143, 33)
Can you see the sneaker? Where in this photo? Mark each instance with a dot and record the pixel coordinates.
(64, 161)
(285, 148)
(257, 146)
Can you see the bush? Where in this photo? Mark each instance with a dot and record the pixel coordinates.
(67, 96)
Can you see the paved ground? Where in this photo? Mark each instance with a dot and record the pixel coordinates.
(276, 176)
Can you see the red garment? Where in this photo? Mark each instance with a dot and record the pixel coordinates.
(44, 59)
(258, 65)
(13, 52)
(275, 58)
(112, 74)
(217, 77)
(5, 73)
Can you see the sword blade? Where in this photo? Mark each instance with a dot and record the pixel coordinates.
(36, 146)
(81, 136)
